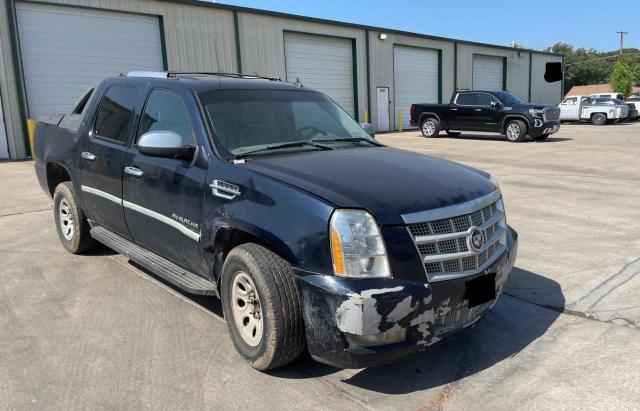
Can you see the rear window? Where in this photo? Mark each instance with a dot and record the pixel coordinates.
(115, 114)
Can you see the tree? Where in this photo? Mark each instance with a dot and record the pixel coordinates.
(621, 77)
(588, 66)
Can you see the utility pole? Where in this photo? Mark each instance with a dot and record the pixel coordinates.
(622, 33)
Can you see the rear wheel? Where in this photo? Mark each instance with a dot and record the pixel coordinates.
(540, 138)
(430, 127)
(516, 131)
(71, 224)
(453, 133)
(599, 119)
(262, 307)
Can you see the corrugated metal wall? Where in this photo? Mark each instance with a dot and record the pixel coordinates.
(202, 38)
(10, 101)
(541, 91)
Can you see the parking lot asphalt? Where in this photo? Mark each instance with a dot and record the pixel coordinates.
(98, 332)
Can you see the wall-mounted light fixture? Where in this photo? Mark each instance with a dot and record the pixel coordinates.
(382, 36)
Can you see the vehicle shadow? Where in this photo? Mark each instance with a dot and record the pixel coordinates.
(505, 331)
(509, 328)
(495, 137)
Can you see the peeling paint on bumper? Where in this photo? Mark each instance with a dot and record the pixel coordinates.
(333, 306)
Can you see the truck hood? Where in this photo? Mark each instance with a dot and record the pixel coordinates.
(385, 181)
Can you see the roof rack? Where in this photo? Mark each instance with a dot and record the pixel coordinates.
(152, 74)
(222, 74)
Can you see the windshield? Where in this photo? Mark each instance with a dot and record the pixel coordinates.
(509, 99)
(264, 121)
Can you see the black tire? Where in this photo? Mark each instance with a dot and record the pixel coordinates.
(516, 131)
(453, 133)
(430, 127)
(71, 224)
(540, 138)
(599, 119)
(283, 333)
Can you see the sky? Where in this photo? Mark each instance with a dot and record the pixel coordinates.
(532, 24)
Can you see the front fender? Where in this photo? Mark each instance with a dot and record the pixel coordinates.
(509, 117)
(292, 222)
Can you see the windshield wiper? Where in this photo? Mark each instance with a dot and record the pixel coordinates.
(285, 145)
(348, 139)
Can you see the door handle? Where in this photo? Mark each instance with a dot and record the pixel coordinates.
(133, 171)
(477, 109)
(454, 109)
(88, 156)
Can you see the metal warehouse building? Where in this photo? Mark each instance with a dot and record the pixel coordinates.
(54, 50)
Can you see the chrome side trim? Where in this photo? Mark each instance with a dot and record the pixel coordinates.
(162, 218)
(102, 194)
(451, 211)
(150, 213)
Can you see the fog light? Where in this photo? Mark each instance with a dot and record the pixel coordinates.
(375, 340)
(537, 123)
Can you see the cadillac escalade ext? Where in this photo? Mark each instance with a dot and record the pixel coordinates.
(269, 196)
(490, 111)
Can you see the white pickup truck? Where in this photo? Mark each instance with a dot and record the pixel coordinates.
(578, 108)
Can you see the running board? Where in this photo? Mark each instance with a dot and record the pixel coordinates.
(164, 268)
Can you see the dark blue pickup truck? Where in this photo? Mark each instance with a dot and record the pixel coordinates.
(269, 196)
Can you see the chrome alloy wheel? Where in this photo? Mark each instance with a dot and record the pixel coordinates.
(428, 128)
(247, 312)
(513, 131)
(66, 220)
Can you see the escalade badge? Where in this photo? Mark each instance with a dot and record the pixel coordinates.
(475, 239)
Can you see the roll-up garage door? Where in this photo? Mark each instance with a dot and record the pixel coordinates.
(488, 72)
(65, 50)
(415, 79)
(322, 63)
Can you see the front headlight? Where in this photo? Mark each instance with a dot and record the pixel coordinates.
(536, 112)
(357, 248)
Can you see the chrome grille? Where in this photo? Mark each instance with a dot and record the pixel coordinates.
(551, 114)
(454, 319)
(442, 242)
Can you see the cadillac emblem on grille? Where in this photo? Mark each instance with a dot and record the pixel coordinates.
(475, 239)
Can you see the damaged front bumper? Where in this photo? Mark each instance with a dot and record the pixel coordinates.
(339, 310)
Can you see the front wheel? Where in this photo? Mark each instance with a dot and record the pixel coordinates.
(262, 307)
(430, 127)
(599, 119)
(516, 131)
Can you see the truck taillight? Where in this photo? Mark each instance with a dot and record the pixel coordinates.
(411, 110)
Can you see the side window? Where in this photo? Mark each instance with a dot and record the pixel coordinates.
(165, 111)
(483, 99)
(465, 99)
(115, 114)
(570, 101)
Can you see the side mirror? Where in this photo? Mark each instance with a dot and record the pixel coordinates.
(495, 104)
(369, 129)
(164, 144)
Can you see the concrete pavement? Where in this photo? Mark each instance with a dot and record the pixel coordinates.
(97, 332)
